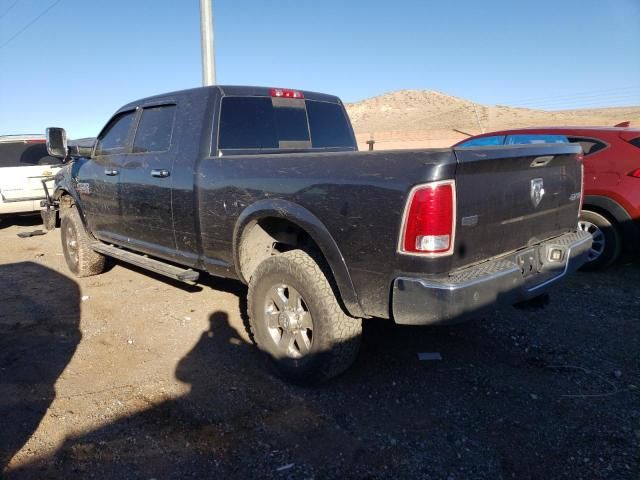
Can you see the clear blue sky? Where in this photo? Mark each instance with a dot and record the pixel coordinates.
(83, 59)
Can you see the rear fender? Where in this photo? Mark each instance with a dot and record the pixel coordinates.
(629, 228)
(311, 224)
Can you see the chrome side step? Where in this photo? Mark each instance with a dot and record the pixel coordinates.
(184, 275)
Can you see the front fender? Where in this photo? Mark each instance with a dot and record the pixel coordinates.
(307, 221)
(65, 185)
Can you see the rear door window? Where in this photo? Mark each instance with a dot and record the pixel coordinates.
(155, 129)
(532, 139)
(490, 141)
(25, 154)
(115, 137)
(589, 145)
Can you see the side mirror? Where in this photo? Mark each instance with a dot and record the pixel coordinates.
(57, 142)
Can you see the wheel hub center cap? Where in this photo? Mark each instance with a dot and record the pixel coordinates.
(289, 321)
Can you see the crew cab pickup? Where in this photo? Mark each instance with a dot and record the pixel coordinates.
(266, 186)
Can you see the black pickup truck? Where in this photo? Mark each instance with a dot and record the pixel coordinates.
(266, 186)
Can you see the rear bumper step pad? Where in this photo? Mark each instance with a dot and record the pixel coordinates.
(517, 277)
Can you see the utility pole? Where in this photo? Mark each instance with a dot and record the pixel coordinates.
(208, 51)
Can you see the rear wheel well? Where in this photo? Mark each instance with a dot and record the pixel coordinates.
(268, 237)
(601, 211)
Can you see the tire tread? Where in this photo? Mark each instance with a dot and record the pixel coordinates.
(90, 262)
(345, 331)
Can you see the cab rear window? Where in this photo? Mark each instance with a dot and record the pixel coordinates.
(328, 125)
(25, 154)
(265, 123)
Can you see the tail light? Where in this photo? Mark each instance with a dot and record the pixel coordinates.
(635, 173)
(429, 220)
(284, 93)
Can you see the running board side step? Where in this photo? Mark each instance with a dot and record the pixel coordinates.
(184, 275)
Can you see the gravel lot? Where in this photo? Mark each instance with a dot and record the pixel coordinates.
(128, 375)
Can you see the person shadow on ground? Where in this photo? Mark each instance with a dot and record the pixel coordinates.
(39, 333)
(189, 435)
(238, 422)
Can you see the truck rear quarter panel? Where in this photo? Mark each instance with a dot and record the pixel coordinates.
(358, 196)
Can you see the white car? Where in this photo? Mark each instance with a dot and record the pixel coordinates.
(24, 163)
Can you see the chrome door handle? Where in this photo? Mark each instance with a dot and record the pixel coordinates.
(160, 173)
(111, 172)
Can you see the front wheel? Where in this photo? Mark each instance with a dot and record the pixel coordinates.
(81, 259)
(297, 321)
(605, 248)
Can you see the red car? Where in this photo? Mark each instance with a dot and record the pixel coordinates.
(611, 208)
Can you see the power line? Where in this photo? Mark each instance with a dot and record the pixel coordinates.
(19, 32)
(604, 98)
(9, 9)
(615, 98)
(577, 94)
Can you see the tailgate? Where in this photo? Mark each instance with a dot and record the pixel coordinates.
(509, 197)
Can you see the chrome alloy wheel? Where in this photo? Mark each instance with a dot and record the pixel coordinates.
(599, 242)
(289, 321)
(71, 243)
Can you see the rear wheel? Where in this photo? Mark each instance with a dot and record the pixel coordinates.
(297, 321)
(606, 240)
(76, 245)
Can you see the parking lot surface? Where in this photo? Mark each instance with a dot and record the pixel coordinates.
(128, 375)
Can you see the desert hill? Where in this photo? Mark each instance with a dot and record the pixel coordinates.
(427, 118)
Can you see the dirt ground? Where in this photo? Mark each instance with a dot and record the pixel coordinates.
(127, 375)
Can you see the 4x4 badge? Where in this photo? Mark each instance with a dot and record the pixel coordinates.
(83, 188)
(537, 191)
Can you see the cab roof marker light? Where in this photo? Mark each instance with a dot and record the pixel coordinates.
(286, 93)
